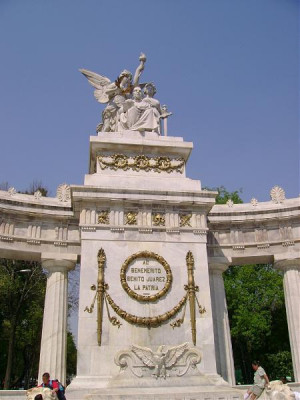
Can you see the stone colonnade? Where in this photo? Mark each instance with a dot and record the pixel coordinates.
(237, 234)
(53, 344)
(291, 283)
(54, 335)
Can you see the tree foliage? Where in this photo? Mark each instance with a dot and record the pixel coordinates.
(22, 290)
(71, 357)
(257, 318)
(22, 295)
(257, 315)
(223, 195)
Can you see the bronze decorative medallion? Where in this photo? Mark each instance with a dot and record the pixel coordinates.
(146, 276)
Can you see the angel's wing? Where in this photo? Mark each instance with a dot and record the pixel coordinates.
(99, 82)
(174, 353)
(144, 354)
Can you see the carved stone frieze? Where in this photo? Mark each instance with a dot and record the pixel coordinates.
(200, 232)
(6, 238)
(286, 235)
(185, 220)
(163, 363)
(172, 230)
(34, 231)
(145, 230)
(236, 235)
(286, 232)
(288, 243)
(141, 162)
(7, 228)
(61, 233)
(261, 235)
(33, 241)
(158, 219)
(118, 230)
(60, 244)
(88, 228)
(131, 218)
(103, 217)
(238, 247)
(263, 246)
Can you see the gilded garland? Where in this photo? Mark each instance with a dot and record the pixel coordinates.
(149, 322)
(146, 256)
(102, 297)
(141, 162)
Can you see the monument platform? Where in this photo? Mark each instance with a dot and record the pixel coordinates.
(198, 388)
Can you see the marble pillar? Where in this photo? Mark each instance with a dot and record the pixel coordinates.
(224, 356)
(291, 284)
(54, 334)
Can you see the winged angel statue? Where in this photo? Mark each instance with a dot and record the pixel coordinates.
(130, 105)
(162, 359)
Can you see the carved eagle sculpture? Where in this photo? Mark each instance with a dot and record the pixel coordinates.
(160, 360)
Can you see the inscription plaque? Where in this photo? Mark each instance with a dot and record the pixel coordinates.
(146, 276)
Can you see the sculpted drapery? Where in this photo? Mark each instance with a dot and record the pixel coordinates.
(130, 105)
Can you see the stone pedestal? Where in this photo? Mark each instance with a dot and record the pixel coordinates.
(54, 335)
(291, 284)
(136, 200)
(224, 356)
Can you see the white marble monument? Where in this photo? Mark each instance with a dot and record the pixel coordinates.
(152, 246)
(145, 316)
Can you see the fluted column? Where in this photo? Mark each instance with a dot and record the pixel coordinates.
(54, 334)
(291, 285)
(223, 346)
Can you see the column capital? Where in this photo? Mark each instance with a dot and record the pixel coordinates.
(286, 262)
(57, 262)
(218, 264)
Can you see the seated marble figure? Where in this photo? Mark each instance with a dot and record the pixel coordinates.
(128, 107)
(141, 113)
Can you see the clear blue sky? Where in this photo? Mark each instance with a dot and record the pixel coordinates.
(227, 69)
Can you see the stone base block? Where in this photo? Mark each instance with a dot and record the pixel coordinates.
(12, 394)
(195, 388)
(170, 393)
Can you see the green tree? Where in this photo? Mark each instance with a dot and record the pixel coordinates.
(71, 357)
(257, 318)
(22, 289)
(223, 195)
(22, 293)
(257, 315)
